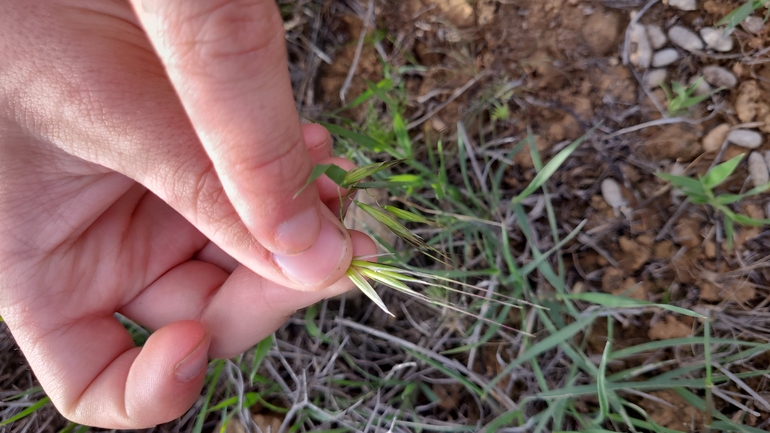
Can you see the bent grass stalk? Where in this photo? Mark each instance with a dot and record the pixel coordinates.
(398, 278)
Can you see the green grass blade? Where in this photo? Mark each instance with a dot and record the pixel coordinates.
(560, 337)
(646, 425)
(384, 85)
(531, 266)
(601, 378)
(612, 301)
(402, 135)
(370, 143)
(27, 412)
(748, 221)
(319, 170)
(729, 232)
(721, 172)
(260, 353)
(367, 289)
(503, 420)
(212, 380)
(676, 342)
(757, 190)
(549, 169)
(739, 14)
(687, 184)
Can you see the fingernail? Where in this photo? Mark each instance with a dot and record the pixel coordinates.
(298, 233)
(316, 264)
(191, 366)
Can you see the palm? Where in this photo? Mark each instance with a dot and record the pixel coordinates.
(79, 241)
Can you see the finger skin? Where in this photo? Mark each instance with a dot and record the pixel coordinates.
(227, 61)
(238, 310)
(319, 144)
(128, 387)
(88, 119)
(97, 91)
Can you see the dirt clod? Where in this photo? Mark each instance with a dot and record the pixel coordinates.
(600, 31)
(669, 328)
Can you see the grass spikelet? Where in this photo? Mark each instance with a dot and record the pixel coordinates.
(396, 278)
(363, 285)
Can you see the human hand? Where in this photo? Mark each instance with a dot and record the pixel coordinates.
(116, 197)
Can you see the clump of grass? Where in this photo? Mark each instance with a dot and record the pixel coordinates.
(681, 98)
(740, 13)
(398, 278)
(700, 190)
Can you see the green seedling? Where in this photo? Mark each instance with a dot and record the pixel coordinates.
(731, 20)
(701, 191)
(681, 98)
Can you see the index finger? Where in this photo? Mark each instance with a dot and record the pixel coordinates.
(227, 60)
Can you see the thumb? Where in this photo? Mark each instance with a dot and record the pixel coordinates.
(95, 376)
(227, 61)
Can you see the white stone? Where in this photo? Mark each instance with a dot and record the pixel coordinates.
(612, 194)
(703, 87)
(640, 49)
(767, 158)
(655, 77)
(713, 140)
(753, 25)
(665, 57)
(684, 5)
(717, 39)
(685, 38)
(758, 169)
(719, 76)
(656, 36)
(745, 138)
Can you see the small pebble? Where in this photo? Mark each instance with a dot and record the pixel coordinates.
(640, 49)
(719, 76)
(685, 38)
(612, 194)
(684, 5)
(713, 141)
(745, 138)
(767, 159)
(656, 36)
(655, 77)
(758, 169)
(753, 25)
(717, 39)
(665, 57)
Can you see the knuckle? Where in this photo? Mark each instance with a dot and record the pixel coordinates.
(283, 166)
(227, 31)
